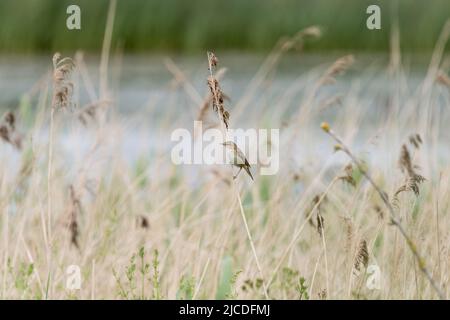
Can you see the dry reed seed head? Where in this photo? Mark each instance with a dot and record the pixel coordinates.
(287, 43)
(379, 211)
(10, 119)
(337, 68)
(4, 133)
(349, 169)
(362, 256)
(218, 97)
(75, 207)
(213, 61)
(413, 184)
(418, 138)
(415, 140)
(341, 65)
(8, 131)
(55, 59)
(62, 85)
(322, 294)
(348, 177)
(406, 164)
(413, 180)
(213, 85)
(6, 128)
(89, 112)
(74, 233)
(313, 31)
(405, 161)
(320, 222)
(316, 203)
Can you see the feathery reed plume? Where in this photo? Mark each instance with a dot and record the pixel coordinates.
(74, 210)
(8, 130)
(62, 98)
(320, 222)
(297, 40)
(337, 68)
(394, 220)
(362, 256)
(316, 206)
(415, 140)
(312, 31)
(62, 85)
(218, 97)
(10, 120)
(213, 61)
(379, 211)
(413, 179)
(322, 295)
(207, 101)
(348, 177)
(405, 161)
(89, 112)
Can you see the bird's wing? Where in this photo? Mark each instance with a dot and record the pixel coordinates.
(241, 156)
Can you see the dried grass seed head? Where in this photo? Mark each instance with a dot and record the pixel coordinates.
(218, 97)
(8, 132)
(62, 84)
(362, 256)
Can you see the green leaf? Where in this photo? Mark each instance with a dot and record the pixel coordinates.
(226, 276)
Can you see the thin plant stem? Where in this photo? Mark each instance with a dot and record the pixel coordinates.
(197, 288)
(438, 227)
(250, 239)
(49, 198)
(49, 174)
(244, 219)
(325, 259)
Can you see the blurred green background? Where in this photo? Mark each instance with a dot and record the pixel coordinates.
(191, 25)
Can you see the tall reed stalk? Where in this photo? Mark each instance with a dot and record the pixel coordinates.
(217, 101)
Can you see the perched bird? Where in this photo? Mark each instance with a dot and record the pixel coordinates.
(237, 158)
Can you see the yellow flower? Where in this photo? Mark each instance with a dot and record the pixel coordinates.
(325, 126)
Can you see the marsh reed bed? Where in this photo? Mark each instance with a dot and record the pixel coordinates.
(367, 190)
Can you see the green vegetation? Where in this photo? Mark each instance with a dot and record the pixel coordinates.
(177, 25)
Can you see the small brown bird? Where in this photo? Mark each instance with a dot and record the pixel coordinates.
(237, 158)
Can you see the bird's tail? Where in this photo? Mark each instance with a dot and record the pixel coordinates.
(247, 169)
